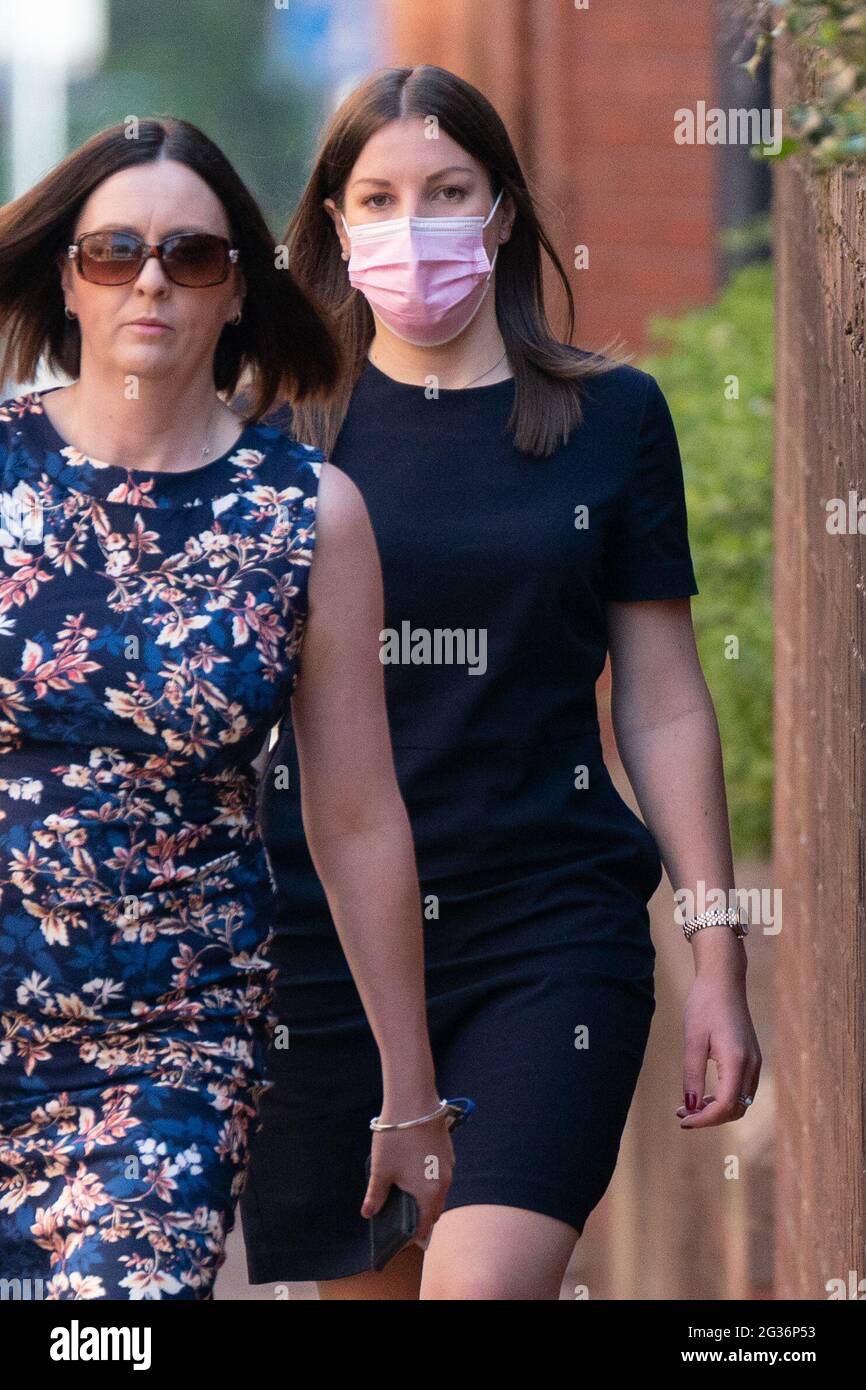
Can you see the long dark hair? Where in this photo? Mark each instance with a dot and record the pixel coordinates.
(284, 343)
(547, 373)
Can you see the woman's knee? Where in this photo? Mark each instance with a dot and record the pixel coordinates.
(495, 1252)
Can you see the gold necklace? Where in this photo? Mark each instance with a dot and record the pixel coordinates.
(487, 373)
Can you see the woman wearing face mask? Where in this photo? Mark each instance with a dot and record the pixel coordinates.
(162, 563)
(529, 510)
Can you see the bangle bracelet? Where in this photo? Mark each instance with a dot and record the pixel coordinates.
(376, 1122)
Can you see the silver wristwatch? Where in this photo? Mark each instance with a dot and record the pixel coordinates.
(735, 918)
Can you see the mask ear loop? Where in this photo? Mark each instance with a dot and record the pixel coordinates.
(493, 209)
(484, 224)
(343, 254)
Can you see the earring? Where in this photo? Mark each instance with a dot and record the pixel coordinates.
(344, 255)
(237, 318)
(68, 312)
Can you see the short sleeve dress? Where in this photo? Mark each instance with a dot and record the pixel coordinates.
(151, 626)
(535, 874)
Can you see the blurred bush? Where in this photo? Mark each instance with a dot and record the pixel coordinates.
(726, 446)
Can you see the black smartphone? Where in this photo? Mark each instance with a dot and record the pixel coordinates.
(394, 1225)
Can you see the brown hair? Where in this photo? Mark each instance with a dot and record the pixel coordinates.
(547, 373)
(284, 342)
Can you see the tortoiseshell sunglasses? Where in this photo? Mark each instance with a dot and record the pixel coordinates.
(192, 259)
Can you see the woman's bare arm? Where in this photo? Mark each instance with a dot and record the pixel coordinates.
(355, 820)
(668, 738)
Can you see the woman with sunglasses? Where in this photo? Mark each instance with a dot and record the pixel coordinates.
(528, 504)
(164, 564)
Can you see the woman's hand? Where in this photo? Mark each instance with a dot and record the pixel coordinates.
(717, 1024)
(421, 1161)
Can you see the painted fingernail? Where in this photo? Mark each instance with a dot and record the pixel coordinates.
(691, 1100)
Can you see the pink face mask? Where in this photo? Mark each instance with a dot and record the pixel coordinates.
(424, 276)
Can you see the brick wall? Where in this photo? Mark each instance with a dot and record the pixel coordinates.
(820, 684)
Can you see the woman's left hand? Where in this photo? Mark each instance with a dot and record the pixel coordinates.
(718, 1025)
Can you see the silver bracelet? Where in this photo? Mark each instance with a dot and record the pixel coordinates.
(376, 1122)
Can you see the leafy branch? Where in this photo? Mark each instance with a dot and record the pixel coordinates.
(830, 127)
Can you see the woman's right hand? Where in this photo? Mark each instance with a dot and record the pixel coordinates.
(420, 1160)
(718, 1026)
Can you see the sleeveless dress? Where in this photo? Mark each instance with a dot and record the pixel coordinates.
(150, 632)
(535, 874)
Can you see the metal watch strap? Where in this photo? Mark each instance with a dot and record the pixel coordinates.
(735, 918)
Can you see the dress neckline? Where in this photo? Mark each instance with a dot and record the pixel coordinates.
(449, 391)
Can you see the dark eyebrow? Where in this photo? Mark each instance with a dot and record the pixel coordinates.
(449, 169)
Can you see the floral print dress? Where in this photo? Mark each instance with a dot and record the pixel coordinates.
(150, 631)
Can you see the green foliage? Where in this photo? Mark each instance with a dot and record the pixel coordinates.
(830, 127)
(726, 447)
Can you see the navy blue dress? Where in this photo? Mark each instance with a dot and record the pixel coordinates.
(150, 632)
(535, 874)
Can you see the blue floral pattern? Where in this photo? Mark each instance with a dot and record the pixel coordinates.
(151, 626)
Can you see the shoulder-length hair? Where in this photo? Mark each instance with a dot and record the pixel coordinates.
(547, 373)
(283, 343)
